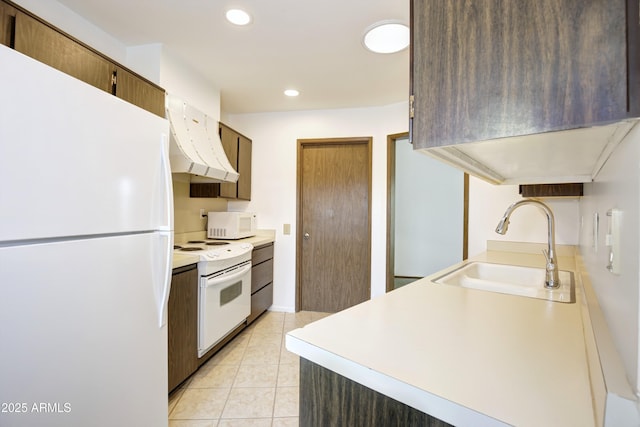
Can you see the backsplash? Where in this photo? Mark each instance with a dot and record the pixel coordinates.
(187, 220)
(617, 186)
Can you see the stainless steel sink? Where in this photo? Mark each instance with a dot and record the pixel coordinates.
(511, 279)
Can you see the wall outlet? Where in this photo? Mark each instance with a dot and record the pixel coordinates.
(202, 213)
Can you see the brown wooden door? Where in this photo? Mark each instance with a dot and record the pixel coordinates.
(334, 227)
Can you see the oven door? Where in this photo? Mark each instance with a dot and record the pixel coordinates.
(225, 303)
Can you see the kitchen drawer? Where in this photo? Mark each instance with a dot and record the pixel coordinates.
(262, 253)
(260, 301)
(261, 274)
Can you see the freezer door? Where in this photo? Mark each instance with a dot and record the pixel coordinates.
(75, 160)
(79, 330)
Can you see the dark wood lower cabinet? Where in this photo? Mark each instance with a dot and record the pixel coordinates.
(329, 399)
(183, 325)
(261, 280)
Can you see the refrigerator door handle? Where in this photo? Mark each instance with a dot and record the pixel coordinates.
(167, 183)
(163, 282)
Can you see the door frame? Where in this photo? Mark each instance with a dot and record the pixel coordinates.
(391, 202)
(301, 144)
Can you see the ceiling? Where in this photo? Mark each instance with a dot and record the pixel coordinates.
(314, 47)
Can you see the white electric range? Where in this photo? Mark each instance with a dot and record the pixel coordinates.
(224, 291)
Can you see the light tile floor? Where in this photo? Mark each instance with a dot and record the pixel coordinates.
(252, 381)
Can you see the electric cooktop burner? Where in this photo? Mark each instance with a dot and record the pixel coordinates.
(191, 249)
(195, 241)
(177, 247)
(217, 243)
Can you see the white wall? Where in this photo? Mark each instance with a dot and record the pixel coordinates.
(273, 192)
(617, 186)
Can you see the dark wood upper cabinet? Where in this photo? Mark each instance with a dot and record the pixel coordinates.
(237, 147)
(30, 35)
(43, 43)
(139, 92)
(7, 24)
(487, 69)
(244, 168)
(229, 139)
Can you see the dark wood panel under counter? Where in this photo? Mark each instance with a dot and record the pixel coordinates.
(329, 399)
(182, 325)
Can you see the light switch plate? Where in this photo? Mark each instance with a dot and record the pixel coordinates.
(286, 229)
(596, 229)
(614, 223)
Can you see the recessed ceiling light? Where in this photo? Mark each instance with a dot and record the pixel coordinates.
(238, 17)
(386, 37)
(291, 92)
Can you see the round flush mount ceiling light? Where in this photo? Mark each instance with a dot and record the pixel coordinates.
(238, 17)
(386, 37)
(291, 92)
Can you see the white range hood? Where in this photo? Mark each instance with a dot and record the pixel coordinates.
(568, 156)
(195, 146)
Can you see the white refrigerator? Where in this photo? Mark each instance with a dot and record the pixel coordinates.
(86, 241)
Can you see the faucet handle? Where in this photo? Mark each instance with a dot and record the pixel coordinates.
(550, 262)
(546, 255)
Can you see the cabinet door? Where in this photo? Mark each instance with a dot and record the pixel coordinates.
(139, 92)
(485, 69)
(183, 326)
(244, 168)
(43, 43)
(7, 21)
(230, 144)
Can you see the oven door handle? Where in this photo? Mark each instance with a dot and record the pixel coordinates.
(226, 277)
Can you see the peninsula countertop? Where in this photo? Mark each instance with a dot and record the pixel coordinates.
(466, 356)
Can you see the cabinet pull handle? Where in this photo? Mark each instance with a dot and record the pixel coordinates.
(114, 82)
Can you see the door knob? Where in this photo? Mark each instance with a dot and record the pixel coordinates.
(306, 236)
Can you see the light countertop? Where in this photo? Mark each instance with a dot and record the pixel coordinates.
(468, 357)
(181, 259)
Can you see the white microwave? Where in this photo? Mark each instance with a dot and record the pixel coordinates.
(231, 225)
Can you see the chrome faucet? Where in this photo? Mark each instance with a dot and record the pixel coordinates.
(552, 281)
